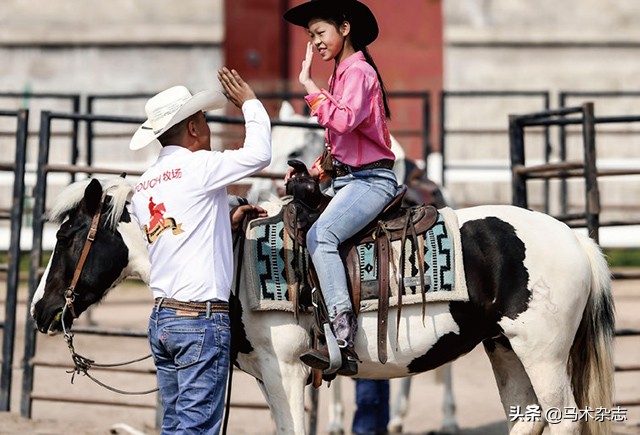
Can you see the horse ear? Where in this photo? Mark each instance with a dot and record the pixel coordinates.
(286, 110)
(92, 195)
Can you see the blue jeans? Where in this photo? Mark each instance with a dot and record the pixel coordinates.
(359, 198)
(372, 407)
(191, 354)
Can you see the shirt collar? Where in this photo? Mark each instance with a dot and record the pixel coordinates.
(346, 63)
(171, 149)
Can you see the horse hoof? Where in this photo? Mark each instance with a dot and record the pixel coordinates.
(396, 428)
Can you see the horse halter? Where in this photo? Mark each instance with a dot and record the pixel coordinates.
(70, 294)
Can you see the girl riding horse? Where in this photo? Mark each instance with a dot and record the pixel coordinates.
(357, 156)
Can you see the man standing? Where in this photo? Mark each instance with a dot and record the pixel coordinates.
(181, 204)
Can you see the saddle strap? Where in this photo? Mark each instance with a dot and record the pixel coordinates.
(351, 257)
(382, 254)
(403, 240)
(423, 289)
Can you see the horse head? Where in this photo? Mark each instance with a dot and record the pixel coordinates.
(81, 271)
(304, 144)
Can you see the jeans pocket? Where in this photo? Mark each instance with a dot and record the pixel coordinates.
(185, 344)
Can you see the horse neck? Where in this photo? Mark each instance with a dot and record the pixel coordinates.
(138, 265)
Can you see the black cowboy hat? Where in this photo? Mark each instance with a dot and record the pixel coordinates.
(364, 26)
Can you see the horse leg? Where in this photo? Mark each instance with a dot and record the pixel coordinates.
(516, 392)
(400, 405)
(284, 391)
(547, 370)
(336, 408)
(449, 423)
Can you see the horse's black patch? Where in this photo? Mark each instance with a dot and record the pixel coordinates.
(239, 341)
(497, 282)
(491, 344)
(107, 258)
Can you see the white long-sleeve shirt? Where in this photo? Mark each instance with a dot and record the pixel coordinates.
(182, 207)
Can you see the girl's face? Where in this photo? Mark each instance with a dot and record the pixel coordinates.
(327, 38)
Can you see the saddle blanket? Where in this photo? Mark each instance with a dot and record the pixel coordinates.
(273, 270)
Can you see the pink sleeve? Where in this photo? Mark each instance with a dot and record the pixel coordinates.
(343, 113)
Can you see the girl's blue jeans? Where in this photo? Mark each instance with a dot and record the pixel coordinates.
(358, 198)
(191, 355)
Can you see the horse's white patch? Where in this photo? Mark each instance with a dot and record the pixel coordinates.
(542, 295)
(138, 265)
(123, 428)
(39, 293)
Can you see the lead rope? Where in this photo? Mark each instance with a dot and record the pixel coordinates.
(82, 364)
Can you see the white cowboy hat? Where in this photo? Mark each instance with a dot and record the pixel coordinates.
(168, 108)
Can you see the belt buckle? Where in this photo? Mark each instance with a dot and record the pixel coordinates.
(340, 169)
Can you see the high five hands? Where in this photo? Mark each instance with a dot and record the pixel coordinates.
(235, 88)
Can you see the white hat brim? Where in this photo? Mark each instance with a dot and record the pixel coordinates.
(202, 101)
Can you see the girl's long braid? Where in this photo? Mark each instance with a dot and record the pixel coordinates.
(370, 61)
(341, 17)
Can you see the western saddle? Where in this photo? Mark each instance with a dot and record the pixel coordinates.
(395, 222)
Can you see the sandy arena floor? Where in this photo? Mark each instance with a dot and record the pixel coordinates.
(479, 411)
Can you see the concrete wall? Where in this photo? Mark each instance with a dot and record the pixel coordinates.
(114, 46)
(100, 47)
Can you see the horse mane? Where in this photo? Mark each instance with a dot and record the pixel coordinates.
(119, 189)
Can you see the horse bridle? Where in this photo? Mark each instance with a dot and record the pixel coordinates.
(70, 294)
(83, 364)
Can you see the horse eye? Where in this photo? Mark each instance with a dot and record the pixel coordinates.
(295, 154)
(63, 236)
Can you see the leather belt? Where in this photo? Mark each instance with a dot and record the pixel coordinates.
(340, 169)
(194, 307)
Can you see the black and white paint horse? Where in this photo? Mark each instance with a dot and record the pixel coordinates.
(306, 144)
(539, 302)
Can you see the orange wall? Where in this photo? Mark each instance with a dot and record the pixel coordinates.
(408, 53)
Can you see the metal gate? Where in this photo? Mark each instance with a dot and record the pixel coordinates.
(586, 169)
(12, 267)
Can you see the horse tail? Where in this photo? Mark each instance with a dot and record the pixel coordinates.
(591, 359)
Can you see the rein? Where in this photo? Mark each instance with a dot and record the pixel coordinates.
(81, 363)
(239, 242)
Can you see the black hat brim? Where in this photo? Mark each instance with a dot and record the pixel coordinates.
(365, 27)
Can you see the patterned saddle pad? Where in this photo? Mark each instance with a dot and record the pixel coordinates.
(273, 270)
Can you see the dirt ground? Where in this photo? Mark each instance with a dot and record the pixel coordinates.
(479, 411)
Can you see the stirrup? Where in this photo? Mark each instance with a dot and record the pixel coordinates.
(332, 359)
(328, 362)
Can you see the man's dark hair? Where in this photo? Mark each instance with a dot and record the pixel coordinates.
(173, 136)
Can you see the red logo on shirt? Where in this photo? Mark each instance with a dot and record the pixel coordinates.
(170, 175)
(158, 223)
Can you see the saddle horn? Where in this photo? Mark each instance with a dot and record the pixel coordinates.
(300, 169)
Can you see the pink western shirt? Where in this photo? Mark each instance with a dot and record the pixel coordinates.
(353, 114)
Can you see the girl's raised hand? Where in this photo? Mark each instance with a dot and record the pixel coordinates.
(305, 71)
